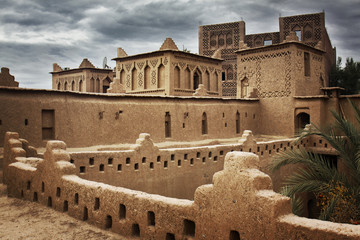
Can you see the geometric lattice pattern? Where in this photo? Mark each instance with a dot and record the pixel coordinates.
(229, 88)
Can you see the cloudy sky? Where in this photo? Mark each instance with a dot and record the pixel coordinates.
(34, 34)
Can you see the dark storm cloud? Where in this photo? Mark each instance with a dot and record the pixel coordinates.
(147, 21)
(36, 33)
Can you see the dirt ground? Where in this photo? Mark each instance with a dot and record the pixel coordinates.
(21, 219)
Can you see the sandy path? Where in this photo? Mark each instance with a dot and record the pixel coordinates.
(21, 219)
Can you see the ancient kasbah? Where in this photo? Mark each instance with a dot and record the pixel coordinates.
(171, 144)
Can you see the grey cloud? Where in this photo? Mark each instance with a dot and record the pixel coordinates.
(141, 27)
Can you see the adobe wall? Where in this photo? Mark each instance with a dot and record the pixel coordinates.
(83, 119)
(224, 37)
(6, 79)
(239, 204)
(154, 73)
(276, 74)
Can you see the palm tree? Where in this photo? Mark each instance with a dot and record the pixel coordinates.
(337, 191)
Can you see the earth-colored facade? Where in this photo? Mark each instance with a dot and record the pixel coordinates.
(86, 78)
(171, 155)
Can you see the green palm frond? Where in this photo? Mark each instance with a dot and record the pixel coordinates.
(315, 174)
(326, 214)
(297, 204)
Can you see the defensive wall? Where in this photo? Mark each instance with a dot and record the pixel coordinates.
(239, 203)
(88, 119)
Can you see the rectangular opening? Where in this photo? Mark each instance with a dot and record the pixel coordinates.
(119, 167)
(85, 214)
(58, 192)
(165, 164)
(158, 158)
(135, 230)
(48, 124)
(108, 222)
(185, 156)
(172, 157)
(101, 167)
(267, 42)
(307, 64)
(66, 206)
(76, 199)
(170, 236)
(28, 185)
(151, 165)
(189, 228)
(82, 169)
(128, 160)
(110, 161)
(49, 203)
(151, 218)
(179, 163)
(122, 211)
(91, 161)
(97, 204)
(136, 166)
(35, 199)
(42, 187)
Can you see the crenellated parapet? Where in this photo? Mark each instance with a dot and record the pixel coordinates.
(238, 204)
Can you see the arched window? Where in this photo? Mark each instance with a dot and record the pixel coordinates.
(73, 86)
(221, 40)
(297, 30)
(122, 76)
(65, 86)
(258, 41)
(92, 85)
(59, 86)
(161, 76)
(197, 79)
(229, 40)
(177, 77)
(147, 77)
(207, 81)
(229, 74)
(216, 82)
(80, 86)
(213, 41)
(308, 32)
(97, 85)
(133, 78)
(187, 78)
(237, 122)
(204, 124)
(106, 84)
(302, 119)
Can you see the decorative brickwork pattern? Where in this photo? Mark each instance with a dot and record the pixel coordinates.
(140, 65)
(154, 62)
(310, 25)
(140, 77)
(128, 66)
(153, 77)
(257, 40)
